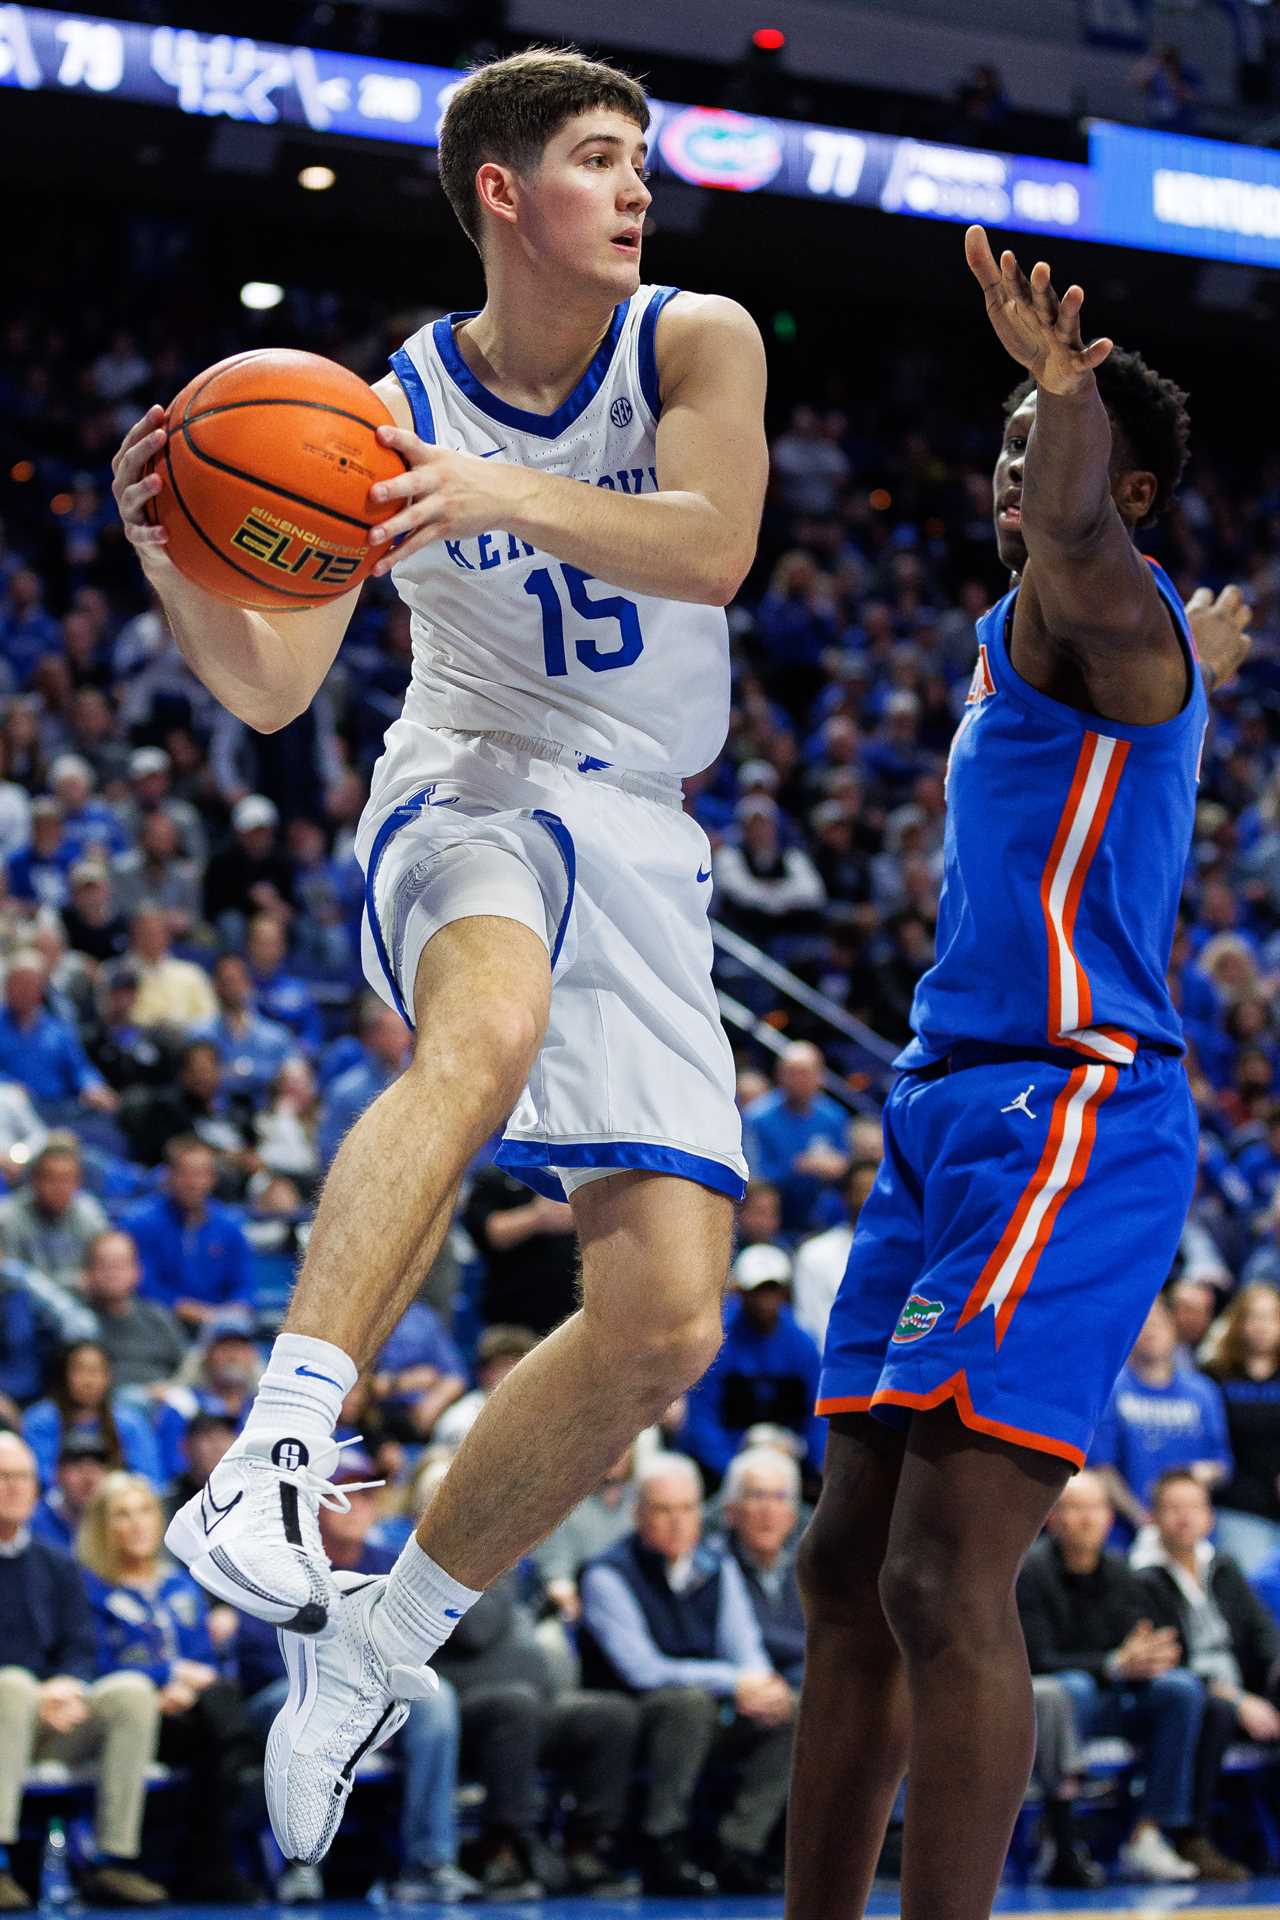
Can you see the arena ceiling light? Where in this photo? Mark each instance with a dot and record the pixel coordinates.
(317, 179)
(261, 295)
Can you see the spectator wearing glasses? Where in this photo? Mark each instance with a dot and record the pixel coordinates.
(760, 1507)
(669, 1620)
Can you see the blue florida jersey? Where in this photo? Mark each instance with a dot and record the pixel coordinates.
(507, 639)
(1067, 840)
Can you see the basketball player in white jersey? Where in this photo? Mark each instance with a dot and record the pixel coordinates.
(586, 469)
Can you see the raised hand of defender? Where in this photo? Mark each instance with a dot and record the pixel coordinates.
(1221, 629)
(1041, 331)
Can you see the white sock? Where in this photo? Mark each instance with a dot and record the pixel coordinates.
(302, 1390)
(419, 1608)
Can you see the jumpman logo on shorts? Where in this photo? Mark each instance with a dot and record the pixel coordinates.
(1020, 1104)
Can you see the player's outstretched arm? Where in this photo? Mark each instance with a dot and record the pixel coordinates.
(693, 540)
(1091, 587)
(264, 668)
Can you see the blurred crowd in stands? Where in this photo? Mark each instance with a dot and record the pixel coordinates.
(185, 1037)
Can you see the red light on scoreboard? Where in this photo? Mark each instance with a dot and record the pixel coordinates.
(769, 39)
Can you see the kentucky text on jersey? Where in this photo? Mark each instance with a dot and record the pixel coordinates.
(496, 549)
(510, 640)
(1067, 840)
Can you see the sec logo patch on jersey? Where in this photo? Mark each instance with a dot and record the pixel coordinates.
(621, 412)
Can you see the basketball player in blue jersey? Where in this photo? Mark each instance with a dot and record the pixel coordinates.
(586, 471)
(1040, 1143)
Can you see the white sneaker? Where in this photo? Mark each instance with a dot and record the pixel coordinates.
(1150, 1857)
(252, 1533)
(344, 1702)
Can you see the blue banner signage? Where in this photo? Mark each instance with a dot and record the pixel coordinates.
(1140, 189)
(1180, 195)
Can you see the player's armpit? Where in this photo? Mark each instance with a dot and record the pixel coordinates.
(710, 438)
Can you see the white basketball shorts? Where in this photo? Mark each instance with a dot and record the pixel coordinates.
(608, 870)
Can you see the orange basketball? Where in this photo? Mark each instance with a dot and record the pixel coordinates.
(267, 469)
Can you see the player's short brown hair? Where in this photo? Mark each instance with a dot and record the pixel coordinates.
(507, 110)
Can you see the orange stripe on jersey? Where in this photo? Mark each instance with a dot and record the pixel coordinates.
(1007, 1273)
(1083, 820)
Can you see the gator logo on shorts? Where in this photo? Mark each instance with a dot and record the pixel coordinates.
(918, 1317)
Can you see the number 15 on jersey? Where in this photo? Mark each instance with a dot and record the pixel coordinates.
(602, 655)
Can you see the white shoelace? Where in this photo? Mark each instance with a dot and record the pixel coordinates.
(322, 1490)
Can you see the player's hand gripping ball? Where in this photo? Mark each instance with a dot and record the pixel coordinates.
(267, 466)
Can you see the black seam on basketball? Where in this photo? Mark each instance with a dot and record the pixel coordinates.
(283, 400)
(215, 373)
(271, 486)
(252, 578)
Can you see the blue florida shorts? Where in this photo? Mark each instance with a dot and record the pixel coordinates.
(1026, 1213)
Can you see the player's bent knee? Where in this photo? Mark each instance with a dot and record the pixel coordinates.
(491, 1054)
(920, 1602)
(669, 1356)
(834, 1576)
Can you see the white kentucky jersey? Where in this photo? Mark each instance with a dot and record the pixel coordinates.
(507, 639)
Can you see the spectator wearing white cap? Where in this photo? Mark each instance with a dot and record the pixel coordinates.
(171, 992)
(151, 792)
(88, 824)
(157, 872)
(91, 922)
(766, 1371)
(251, 873)
(767, 887)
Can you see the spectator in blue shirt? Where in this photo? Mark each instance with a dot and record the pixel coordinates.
(153, 1619)
(195, 1256)
(418, 1373)
(280, 995)
(1258, 1161)
(251, 1048)
(39, 1049)
(387, 1043)
(83, 1464)
(799, 1134)
(37, 1319)
(27, 631)
(81, 1405)
(88, 825)
(39, 874)
(1162, 1415)
(766, 1373)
